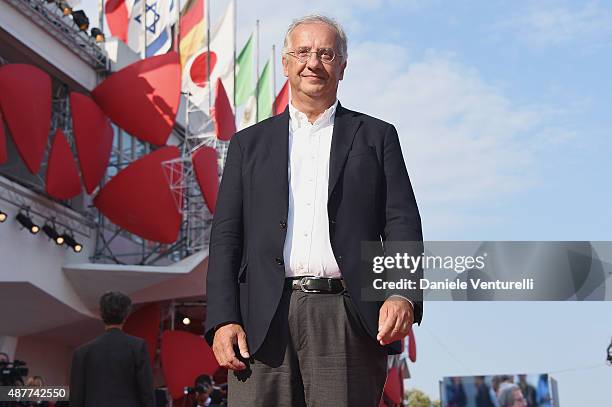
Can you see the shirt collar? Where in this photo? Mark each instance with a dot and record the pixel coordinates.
(298, 119)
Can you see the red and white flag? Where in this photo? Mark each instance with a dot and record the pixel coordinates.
(282, 99)
(220, 59)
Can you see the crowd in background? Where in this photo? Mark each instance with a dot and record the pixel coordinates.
(498, 391)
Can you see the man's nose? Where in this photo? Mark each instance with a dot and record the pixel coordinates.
(313, 61)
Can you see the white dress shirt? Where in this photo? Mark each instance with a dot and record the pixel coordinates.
(307, 249)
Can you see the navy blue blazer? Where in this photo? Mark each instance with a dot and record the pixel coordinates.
(370, 198)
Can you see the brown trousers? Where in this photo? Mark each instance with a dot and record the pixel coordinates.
(316, 354)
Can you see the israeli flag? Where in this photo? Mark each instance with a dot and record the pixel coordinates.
(158, 16)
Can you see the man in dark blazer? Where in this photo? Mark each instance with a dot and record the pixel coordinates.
(299, 193)
(112, 370)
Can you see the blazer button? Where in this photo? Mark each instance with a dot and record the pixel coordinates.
(283, 225)
(279, 261)
(339, 258)
(333, 221)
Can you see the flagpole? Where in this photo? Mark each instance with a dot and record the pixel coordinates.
(101, 15)
(235, 45)
(257, 72)
(208, 54)
(177, 28)
(143, 23)
(273, 79)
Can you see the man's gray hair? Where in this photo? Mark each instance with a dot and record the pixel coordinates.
(505, 397)
(341, 39)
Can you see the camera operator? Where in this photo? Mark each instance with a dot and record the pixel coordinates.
(204, 394)
(197, 396)
(11, 374)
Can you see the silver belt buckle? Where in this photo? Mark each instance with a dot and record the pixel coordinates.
(308, 290)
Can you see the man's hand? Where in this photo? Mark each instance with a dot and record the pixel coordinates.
(225, 338)
(394, 320)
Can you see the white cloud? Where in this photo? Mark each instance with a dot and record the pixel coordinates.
(466, 145)
(546, 24)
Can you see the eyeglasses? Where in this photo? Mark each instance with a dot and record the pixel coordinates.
(326, 55)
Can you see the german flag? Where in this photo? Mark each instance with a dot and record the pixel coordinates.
(192, 35)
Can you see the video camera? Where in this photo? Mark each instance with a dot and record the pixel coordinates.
(200, 388)
(12, 372)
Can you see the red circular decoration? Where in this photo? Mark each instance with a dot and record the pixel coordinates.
(143, 98)
(140, 200)
(199, 68)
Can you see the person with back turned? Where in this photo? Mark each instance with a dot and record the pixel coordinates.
(113, 369)
(299, 194)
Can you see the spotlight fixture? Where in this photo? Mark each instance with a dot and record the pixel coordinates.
(186, 321)
(27, 223)
(69, 240)
(53, 235)
(3, 216)
(97, 34)
(80, 19)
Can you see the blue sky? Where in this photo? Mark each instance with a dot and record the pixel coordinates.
(503, 109)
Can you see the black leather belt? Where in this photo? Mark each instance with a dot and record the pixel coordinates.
(310, 284)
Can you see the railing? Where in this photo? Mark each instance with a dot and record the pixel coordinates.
(49, 17)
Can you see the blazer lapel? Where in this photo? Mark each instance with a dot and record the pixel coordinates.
(345, 127)
(279, 151)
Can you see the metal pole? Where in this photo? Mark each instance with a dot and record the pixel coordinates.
(187, 144)
(257, 72)
(177, 28)
(208, 55)
(172, 314)
(273, 79)
(101, 16)
(143, 22)
(235, 37)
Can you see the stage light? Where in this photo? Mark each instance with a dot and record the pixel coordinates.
(53, 235)
(69, 240)
(186, 321)
(97, 34)
(3, 216)
(27, 223)
(80, 19)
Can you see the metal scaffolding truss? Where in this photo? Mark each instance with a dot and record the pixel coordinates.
(114, 244)
(44, 210)
(60, 116)
(60, 119)
(117, 245)
(52, 20)
(197, 219)
(196, 223)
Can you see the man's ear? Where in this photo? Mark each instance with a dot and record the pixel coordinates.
(342, 68)
(285, 66)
